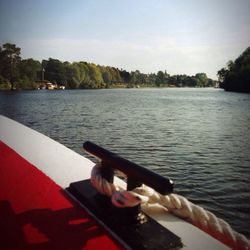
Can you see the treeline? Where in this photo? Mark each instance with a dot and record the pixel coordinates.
(236, 76)
(18, 73)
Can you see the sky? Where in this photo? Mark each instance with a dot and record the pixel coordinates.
(179, 36)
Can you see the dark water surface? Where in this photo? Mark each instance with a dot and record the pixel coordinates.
(198, 137)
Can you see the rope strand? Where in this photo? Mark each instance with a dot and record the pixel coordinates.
(176, 204)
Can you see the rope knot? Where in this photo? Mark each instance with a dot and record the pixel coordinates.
(173, 203)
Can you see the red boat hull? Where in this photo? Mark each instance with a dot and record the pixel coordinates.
(36, 213)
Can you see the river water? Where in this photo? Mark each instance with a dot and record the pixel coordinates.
(200, 138)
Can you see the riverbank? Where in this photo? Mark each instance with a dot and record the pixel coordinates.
(111, 86)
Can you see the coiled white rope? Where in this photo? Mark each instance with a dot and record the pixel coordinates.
(173, 203)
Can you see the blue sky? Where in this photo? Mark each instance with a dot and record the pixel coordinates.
(180, 36)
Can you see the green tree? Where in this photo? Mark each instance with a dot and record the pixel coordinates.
(236, 76)
(222, 75)
(106, 77)
(125, 75)
(79, 72)
(115, 75)
(160, 78)
(96, 80)
(29, 70)
(152, 79)
(135, 78)
(9, 62)
(190, 81)
(55, 71)
(202, 80)
(68, 74)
